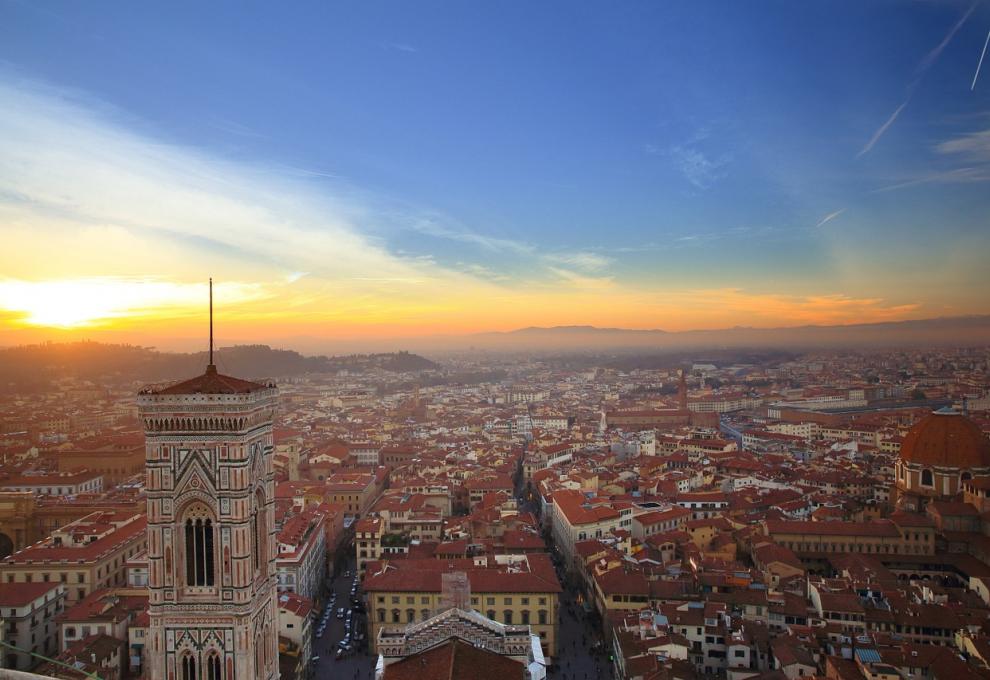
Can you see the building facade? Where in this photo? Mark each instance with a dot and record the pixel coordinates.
(28, 614)
(211, 543)
(939, 454)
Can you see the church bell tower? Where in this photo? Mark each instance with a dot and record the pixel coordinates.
(211, 541)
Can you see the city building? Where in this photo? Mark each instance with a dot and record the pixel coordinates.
(937, 456)
(512, 590)
(84, 556)
(28, 613)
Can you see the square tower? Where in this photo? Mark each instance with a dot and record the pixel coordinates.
(211, 540)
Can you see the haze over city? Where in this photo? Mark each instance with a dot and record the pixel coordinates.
(495, 341)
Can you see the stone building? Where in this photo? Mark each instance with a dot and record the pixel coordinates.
(938, 455)
(211, 542)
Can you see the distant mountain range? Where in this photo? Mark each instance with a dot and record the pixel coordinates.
(37, 365)
(949, 331)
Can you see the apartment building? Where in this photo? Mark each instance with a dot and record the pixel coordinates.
(84, 556)
(28, 614)
(301, 562)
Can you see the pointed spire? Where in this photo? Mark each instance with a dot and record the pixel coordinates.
(211, 366)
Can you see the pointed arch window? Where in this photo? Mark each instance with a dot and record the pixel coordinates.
(189, 667)
(259, 533)
(200, 548)
(213, 667)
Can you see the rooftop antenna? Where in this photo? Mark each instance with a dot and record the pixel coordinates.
(211, 324)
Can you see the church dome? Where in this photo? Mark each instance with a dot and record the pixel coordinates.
(946, 439)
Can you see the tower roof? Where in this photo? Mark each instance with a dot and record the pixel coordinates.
(212, 382)
(946, 439)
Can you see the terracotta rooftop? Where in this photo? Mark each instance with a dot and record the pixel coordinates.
(212, 382)
(21, 594)
(456, 659)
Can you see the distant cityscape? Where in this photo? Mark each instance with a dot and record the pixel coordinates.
(788, 515)
(553, 340)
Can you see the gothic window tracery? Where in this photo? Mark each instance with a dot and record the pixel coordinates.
(200, 547)
(213, 667)
(189, 667)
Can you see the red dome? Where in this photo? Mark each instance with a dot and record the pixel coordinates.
(946, 439)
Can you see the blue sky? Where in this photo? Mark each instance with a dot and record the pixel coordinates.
(678, 146)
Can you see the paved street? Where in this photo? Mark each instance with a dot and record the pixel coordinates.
(580, 654)
(578, 657)
(358, 664)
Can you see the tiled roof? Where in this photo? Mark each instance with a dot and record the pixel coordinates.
(456, 659)
(21, 594)
(212, 382)
(425, 575)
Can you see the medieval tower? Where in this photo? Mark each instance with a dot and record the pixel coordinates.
(211, 542)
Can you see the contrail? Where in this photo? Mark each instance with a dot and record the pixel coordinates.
(831, 216)
(926, 63)
(982, 54)
(883, 128)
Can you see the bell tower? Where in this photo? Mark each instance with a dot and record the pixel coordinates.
(211, 541)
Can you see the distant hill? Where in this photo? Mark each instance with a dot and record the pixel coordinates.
(32, 366)
(949, 331)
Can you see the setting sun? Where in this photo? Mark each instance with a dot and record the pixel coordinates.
(86, 303)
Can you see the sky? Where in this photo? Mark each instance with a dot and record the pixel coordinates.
(349, 171)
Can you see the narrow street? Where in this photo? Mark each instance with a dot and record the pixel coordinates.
(581, 652)
(578, 656)
(357, 664)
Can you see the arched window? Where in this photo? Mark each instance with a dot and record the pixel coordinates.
(508, 617)
(199, 546)
(259, 531)
(410, 615)
(189, 667)
(525, 617)
(259, 661)
(381, 616)
(490, 614)
(424, 614)
(543, 617)
(926, 478)
(395, 616)
(213, 667)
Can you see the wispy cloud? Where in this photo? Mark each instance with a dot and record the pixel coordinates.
(432, 227)
(967, 175)
(582, 280)
(799, 309)
(84, 194)
(698, 168)
(585, 261)
(698, 165)
(400, 47)
(974, 145)
(828, 218)
(923, 67)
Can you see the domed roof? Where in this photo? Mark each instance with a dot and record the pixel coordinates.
(946, 439)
